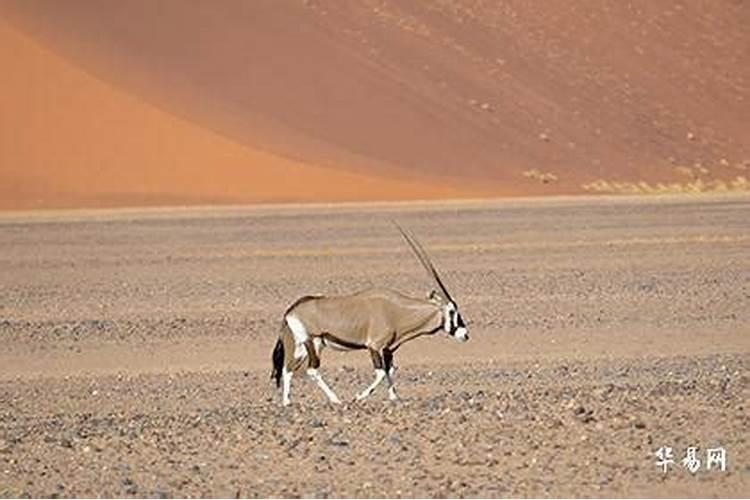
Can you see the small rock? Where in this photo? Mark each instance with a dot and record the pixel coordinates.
(584, 415)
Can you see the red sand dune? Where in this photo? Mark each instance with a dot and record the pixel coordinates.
(73, 141)
(300, 100)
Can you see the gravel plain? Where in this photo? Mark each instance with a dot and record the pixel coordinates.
(136, 343)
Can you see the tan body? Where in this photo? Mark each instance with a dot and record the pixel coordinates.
(372, 319)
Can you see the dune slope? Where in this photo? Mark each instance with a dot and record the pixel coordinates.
(514, 97)
(68, 140)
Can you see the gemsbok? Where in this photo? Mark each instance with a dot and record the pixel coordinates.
(379, 320)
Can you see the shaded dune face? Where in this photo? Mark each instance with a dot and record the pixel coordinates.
(499, 98)
(68, 139)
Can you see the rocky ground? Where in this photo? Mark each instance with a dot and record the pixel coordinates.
(136, 344)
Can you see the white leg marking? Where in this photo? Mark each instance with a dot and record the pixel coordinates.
(315, 375)
(391, 387)
(379, 376)
(318, 344)
(286, 378)
(392, 394)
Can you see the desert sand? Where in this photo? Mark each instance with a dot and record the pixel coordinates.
(136, 345)
(70, 140)
(131, 104)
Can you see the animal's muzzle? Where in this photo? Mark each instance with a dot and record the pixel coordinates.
(461, 334)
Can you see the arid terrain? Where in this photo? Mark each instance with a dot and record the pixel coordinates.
(315, 100)
(136, 344)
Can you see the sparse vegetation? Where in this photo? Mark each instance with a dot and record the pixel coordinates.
(739, 183)
(543, 177)
(693, 172)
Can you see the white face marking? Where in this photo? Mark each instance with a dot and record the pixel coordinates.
(450, 318)
(462, 334)
(450, 323)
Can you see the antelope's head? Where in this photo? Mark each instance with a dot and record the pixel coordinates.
(453, 323)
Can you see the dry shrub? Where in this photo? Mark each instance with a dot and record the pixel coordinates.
(543, 177)
(739, 183)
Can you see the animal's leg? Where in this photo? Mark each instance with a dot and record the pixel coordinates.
(290, 364)
(313, 359)
(380, 374)
(313, 373)
(286, 379)
(389, 373)
(294, 353)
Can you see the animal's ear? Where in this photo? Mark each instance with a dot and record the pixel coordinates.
(434, 296)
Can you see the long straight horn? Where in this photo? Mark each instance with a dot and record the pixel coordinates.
(423, 258)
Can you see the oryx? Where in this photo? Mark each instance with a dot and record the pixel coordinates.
(379, 320)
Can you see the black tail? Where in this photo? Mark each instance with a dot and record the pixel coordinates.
(278, 362)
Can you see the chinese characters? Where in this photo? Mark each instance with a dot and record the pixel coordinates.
(716, 459)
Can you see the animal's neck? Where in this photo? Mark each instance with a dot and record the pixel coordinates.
(426, 319)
